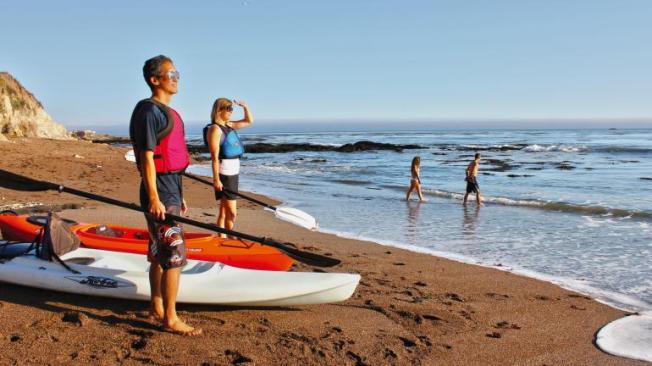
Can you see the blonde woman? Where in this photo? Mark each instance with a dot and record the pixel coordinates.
(226, 149)
(415, 181)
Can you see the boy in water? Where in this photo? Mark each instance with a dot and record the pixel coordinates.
(472, 180)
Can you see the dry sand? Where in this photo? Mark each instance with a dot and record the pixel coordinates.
(409, 309)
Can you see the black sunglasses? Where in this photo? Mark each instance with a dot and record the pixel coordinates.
(228, 108)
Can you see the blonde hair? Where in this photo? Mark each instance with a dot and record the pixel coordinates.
(218, 105)
(416, 161)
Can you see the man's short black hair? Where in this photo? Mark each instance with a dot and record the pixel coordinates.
(152, 67)
(477, 155)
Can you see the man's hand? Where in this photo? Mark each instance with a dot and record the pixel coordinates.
(217, 185)
(184, 207)
(157, 209)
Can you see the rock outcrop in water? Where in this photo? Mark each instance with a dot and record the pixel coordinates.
(284, 148)
(22, 115)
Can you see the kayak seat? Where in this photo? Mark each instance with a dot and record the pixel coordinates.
(104, 230)
(42, 220)
(84, 261)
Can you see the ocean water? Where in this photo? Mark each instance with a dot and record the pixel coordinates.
(573, 207)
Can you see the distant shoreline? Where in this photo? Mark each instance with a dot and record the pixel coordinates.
(272, 127)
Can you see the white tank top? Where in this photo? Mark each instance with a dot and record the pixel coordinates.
(230, 166)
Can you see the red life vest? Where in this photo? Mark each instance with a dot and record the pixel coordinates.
(170, 154)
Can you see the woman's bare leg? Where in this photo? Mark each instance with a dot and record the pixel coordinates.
(221, 217)
(231, 213)
(419, 192)
(413, 186)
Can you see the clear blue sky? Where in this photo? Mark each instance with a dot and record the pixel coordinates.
(338, 60)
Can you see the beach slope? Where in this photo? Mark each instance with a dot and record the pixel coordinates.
(409, 308)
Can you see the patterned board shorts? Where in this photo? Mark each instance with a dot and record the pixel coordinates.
(167, 244)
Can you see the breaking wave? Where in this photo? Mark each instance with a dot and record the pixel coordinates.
(552, 206)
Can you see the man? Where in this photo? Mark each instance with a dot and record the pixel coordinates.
(472, 180)
(157, 135)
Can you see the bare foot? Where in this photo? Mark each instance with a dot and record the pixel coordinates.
(181, 328)
(156, 312)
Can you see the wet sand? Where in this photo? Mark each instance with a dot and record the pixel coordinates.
(409, 309)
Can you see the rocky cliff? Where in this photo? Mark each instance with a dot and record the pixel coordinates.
(22, 115)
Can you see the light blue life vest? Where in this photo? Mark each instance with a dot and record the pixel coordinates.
(231, 146)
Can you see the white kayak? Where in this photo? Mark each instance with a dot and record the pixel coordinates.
(125, 276)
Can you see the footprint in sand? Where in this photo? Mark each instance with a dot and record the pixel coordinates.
(407, 343)
(143, 338)
(431, 317)
(75, 317)
(496, 296)
(355, 357)
(494, 335)
(237, 357)
(455, 297)
(425, 340)
(265, 322)
(506, 325)
(390, 354)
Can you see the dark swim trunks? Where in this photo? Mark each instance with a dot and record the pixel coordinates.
(167, 244)
(472, 186)
(229, 182)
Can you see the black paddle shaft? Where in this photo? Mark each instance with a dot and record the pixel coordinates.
(305, 257)
(17, 182)
(198, 179)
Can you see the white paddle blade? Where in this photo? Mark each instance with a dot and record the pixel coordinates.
(296, 217)
(130, 156)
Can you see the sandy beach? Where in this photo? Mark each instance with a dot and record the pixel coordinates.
(409, 309)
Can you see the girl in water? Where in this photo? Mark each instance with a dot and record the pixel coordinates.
(415, 181)
(226, 149)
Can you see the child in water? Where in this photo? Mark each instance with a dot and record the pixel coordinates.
(415, 181)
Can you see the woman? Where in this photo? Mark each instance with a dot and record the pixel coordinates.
(226, 148)
(415, 181)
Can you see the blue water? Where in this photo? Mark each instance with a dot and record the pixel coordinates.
(572, 208)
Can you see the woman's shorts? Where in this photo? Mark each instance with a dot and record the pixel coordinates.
(229, 182)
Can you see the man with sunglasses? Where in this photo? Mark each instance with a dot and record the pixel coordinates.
(157, 135)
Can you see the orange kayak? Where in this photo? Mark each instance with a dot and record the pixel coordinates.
(201, 246)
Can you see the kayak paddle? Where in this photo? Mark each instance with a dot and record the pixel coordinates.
(17, 182)
(289, 214)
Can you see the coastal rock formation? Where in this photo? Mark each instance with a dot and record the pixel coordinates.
(92, 136)
(262, 147)
(22, 115)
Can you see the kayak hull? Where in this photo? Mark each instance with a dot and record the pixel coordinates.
(125, 276)
(199, 246)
